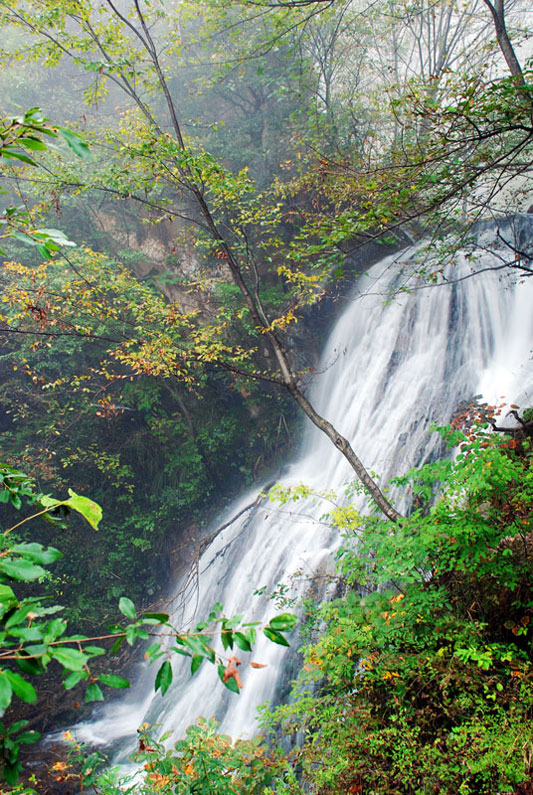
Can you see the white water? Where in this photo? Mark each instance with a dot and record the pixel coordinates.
(387, 373)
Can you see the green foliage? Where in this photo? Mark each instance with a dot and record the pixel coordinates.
(431, 669)
(31, 641)
(29, 638)
(203, 762)
(20, 137)
(81, 418)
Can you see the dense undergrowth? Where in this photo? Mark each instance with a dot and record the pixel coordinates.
(417, 680)
(154, 455)
(423, 684)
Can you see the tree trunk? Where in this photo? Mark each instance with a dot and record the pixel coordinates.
(498, 14)
(288, 376)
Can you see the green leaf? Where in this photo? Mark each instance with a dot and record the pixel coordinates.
(21, 688)
(275, 636)
(29, 737)
(113, 681)
(21, 570)
(17, 726)
(89, 509)
(196, 662)
(233, 622)
(29, 665)
(29, 634)
(54, 629)
(10, 155)
(163, 678)
(153, 652)
(6, 692)
(117, 644)
(19, 615)
(93, 693)
(11, 772)
(7, 597)
(183, 652)
(242, 642)
(37, 553)
(198, 646)
(44, 250)
(232, 685)
(162, 617)
(32, 143)
(73, 659)
(75, 142)
(74, 678)
(51, 240)
(215, 610)
(132, 633)
(251, 635)
(94, 651)
(284, 622)
(127, 608)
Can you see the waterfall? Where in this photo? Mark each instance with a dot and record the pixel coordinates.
(389, 369)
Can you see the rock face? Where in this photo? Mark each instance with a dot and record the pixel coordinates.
(160, 249)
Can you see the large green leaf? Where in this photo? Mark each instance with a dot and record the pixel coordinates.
(73, 659)
(196, 662)
(21, 570)
(32, 143)
(7, 597)
(284, 622)
(29, 737)
(160, 617)
(74, 678)
(275, 636)
(23, 689)
(5, 692)
(37, 553)
(111, 680)
(231, 684)
(199, 646)
(163, 678)
(10, 155)
(75, 142)
(28, 634)
(20, 614)
(242, 641)
(93, 693)
(127, 608)
(89, 509)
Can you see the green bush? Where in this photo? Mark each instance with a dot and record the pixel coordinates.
(423, 670)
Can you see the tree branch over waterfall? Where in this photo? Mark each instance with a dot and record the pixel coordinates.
(192, 172)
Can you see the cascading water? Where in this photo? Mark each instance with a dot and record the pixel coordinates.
(389, 370)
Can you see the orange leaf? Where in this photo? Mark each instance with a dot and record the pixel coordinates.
(231, 672)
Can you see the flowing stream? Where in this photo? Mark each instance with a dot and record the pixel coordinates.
(388, 370)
